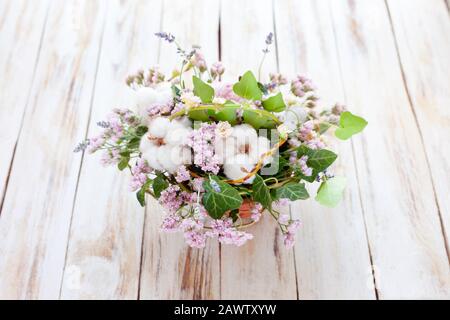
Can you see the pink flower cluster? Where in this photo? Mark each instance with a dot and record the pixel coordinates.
(307, 171)
(256, 212)
(139, 174)
(291, 230)
(224, 231)
(309, 136)
(182, 174)
(225, 91)
(202, 143)
(301, 85)
(217, 70)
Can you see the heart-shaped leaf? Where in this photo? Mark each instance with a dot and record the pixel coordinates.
(261, 193)
(320, 159)
(220, 197)
(274, 103)
(292, 191)
(349, 124)
(159, 185)
(331, 191)
(247, 87)
(203, 90)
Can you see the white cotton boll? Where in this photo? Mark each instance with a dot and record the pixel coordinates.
(262, 146)
(164, 156)
(183, 122)
(294, 116)
(149, 152)
(158, 127)
(238, 167)
(144, 98)
(177, 136)
(225, 148)
(164, 93)
(244, 132)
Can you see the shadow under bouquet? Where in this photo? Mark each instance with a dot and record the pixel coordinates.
(218, 155)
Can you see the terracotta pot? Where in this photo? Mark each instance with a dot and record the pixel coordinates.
(245, 210)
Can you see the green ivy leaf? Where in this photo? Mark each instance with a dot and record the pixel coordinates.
(331, 191)
(292, 191)
(123, 163)
(140, 195)
(349, 124)
(247, 87)
(261, 192)
(141, 130)
(159, 185)
(274, 103)
(323, 127)
(203, 90)
(320, 159)
(220, 198)
(134, 143)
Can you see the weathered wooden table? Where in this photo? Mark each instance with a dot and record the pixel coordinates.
(70, 229)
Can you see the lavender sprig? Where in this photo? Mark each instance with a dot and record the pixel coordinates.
(82, 146)
(165, 36)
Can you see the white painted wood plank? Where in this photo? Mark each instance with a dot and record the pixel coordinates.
(170, 269)
(398, 200)
(21, 27)
(331, 252)
(104, 252)
(262, 268)
(38, 203)
(422, 31)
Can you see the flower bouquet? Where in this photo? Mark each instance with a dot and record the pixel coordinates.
(218, 155)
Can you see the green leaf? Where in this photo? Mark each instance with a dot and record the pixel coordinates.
(247, 87)
(331, 191)
(349, 124)
(220, 198)
(140, 195)
(323, 127)
(259, 118)
(159, 185)
(320, 159)
(274, 103)
(203, 90)
(261, 193)
(176, 91)
(292, 191)
(123, 163)
(134, 143)
(141, 130)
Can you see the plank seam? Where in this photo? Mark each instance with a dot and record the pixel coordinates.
(144, 224)
(105, 16)
(277, 59)
(369, 247)
(27, 101)
(412, 107)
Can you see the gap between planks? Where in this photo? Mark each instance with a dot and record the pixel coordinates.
(27, 101)
(94, 85)
(419, 129)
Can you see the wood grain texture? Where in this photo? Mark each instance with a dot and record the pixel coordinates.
(36, 213)
(21, 27)
(104, 252)
(397, 195)
(262, 268)
(422, 31)
(332, 256)
(170, 269)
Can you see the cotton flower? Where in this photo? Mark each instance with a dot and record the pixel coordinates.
(150, 101)
(190, 100)
(241, 151)
(223, 129)
(238, 167)
(164, 145)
